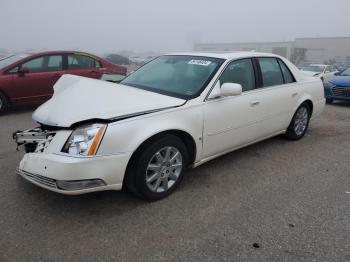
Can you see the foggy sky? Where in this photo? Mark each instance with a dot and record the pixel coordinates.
(162, 25)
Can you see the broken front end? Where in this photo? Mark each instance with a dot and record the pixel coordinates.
(33, 140)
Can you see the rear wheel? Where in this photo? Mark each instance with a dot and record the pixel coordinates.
(158, 169)
(299, 123)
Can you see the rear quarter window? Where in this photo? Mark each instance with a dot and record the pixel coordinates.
(77, 61)
(271, 72)
(274, 72)
(287, 75)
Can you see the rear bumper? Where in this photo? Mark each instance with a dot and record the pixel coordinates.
(98, 173)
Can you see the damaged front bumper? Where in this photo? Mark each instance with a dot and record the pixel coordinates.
(53, 184)
(74, 175)
(33, 140)
(46, 166)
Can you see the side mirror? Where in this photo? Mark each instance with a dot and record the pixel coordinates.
(231, 89)
(227, 89)
(23, 70)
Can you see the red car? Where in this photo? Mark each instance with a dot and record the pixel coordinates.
(29, 79)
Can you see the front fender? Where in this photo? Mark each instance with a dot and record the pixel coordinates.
(127, 135)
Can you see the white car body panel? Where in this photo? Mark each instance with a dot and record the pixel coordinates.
(187, 118)
(216, 126)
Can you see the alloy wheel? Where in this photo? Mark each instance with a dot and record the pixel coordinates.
(301, 121)
(164, 169)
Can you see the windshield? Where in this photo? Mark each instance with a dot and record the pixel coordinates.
(175, 75)
(346, 72)
(11, 59)
(312, 68)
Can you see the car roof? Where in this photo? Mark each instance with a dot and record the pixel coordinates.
(227, 55)
(55, 52)
(58, 52)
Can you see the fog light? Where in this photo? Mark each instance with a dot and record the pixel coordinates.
(79, 184)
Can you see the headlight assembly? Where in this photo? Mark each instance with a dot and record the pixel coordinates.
(85, 140)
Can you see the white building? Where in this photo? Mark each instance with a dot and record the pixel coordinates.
(316, 50)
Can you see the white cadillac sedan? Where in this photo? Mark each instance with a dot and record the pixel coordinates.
(177, 111)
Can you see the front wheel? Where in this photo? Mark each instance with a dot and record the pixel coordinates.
(158, 169)
(299, 123)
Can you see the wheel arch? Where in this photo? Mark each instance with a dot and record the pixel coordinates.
(184, 136)
(305, 99)
(310, 104)
(290, 132)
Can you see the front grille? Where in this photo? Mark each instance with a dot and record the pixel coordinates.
(49, 182)
(341, 91)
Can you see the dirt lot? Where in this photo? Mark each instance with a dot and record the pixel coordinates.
(291, 200)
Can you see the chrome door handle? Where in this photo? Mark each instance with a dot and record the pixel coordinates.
(254, 103)
(294, 94)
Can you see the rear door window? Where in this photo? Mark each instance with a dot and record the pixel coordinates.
(76, 61)
(271, 71)
(54, 63)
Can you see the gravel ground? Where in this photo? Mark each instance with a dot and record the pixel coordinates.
(273, 201)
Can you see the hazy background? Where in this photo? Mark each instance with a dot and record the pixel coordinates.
(162, 25)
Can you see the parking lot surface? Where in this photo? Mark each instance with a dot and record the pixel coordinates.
(274, 201)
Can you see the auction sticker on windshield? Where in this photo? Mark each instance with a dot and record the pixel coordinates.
(199, 62)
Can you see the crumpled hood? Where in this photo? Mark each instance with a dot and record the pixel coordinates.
(78, 98)
(343, 81)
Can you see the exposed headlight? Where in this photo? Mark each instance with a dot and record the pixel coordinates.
(85, 140)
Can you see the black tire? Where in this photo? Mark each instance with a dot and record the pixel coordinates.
(3, 103)
(329, 100)
(292, 133)
(136, 175)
